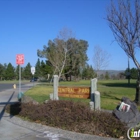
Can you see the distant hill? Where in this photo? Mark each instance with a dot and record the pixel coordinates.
(111, 72)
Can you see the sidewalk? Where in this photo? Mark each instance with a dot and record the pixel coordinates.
(14, 128)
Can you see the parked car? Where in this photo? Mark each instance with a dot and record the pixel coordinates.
(33, 80)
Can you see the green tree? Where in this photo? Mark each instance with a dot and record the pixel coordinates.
(38, 69)
(1, 71)
(102, 76)
(27, 72)
(106, 75)
(127, 73)
(78, 57)
(43, 69)
(65, 54)
(17, 72)
(4, 72)
(9, 72)
(49, 68)
(57, 51)
(88, 72)
(134, 73)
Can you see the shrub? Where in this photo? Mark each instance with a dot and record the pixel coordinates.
(72, 116)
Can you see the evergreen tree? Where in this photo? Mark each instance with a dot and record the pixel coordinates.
(1, 71)
(46, 68)
(27, 72)
(77, 58)
(84, 73)
(106, 75)
(17, 72)
(10, 72)
(66, 56)
(92, 73)
(43, 69)
(88, 72)
(4, 71)
(38, 69)
(102, 76)
(128, 73)
(134, 73)
(49, 68)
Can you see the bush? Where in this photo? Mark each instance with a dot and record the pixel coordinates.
(71, 116)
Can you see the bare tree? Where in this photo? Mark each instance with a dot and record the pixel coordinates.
(100, 59)
(124, 21)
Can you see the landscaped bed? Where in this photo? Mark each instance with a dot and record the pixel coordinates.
(71, 116)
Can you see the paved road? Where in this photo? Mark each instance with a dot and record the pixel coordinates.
(5, 87)
(7, 91)
(14, 128)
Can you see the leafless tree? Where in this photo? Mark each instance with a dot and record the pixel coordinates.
(123, 17)
(100, 59)
(124, 21)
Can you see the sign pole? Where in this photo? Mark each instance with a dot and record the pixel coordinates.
(33, 71)
(33, 80)
(19, 61)
(19, 79)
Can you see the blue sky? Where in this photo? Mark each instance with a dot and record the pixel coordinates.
(27, 25)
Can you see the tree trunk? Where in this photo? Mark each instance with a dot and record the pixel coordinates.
(70, 76)
(137, 98)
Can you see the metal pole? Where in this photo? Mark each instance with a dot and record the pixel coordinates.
(33, 80)
(19, 79)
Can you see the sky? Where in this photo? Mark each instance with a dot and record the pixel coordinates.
(27, 25)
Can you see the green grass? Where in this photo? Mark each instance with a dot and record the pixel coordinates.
(111, 91)
(40, 92)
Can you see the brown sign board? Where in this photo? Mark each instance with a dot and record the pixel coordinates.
(74, 92)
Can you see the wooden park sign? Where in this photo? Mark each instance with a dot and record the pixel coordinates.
(74, 92)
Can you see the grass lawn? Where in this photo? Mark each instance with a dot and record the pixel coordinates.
(111, 91)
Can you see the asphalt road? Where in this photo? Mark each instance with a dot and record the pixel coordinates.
(13, 94)
(5, 86)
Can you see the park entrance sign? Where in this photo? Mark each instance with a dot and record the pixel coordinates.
(74, 92)
(77, 92)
